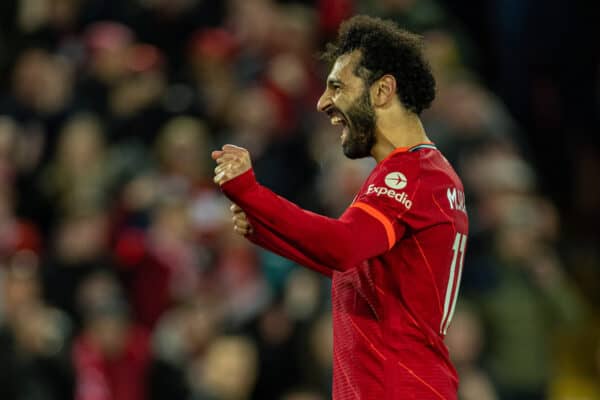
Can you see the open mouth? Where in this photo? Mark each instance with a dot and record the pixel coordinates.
(337, 118)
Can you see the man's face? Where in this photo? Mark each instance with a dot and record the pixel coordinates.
(346, 101)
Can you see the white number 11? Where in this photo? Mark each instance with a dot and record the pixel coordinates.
(458, 248)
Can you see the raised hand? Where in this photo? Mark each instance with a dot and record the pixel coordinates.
(232, 161)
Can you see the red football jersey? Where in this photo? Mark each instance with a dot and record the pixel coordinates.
(391, 312)
(395, 257)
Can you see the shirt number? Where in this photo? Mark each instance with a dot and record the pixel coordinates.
(458, 257)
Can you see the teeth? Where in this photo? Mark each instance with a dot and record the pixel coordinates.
(336, 120)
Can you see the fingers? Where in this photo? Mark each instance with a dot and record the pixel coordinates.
(232, 161)
(234, 208)
(221, 178)
(222, 168)
(225, 164)
(226, 157)
(240, 221)
(234, 148)
(227, 150)
(227, 171)
(243, 231)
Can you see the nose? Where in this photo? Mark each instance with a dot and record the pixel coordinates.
(324, 101)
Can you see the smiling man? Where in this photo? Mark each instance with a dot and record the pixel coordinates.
(395, 255)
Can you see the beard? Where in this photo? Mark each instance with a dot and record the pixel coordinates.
(361, 120)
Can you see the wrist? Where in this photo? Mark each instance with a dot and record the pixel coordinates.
(240, 184)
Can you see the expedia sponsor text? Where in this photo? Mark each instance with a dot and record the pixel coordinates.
(400, 197)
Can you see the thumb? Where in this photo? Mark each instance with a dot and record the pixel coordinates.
(216, 154)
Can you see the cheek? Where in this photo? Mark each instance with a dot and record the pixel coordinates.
(340, 100)
(337, 102)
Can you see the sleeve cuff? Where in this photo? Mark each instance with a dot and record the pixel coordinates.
(237, 186)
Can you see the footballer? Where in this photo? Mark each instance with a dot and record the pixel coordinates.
(395, 255)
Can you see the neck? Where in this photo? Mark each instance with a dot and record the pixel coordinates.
(397, 129)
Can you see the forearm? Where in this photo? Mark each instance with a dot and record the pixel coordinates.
(264, 237)
(338, 244)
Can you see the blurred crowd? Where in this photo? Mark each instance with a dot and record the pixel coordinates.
(120, 275)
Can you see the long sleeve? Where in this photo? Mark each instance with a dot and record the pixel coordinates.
(338, 244)
(264, 237)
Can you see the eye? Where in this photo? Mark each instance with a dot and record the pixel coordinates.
(334, 86)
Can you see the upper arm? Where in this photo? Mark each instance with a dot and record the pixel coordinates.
(368, 234)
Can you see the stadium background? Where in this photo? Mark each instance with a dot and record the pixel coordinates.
(120, 277)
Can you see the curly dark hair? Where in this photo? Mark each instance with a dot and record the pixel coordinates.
(387, 49)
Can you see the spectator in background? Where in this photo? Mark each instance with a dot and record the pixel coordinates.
(42, 84)
(466, 343)
(160, 266)
(212, 57)
(111, 355)
(181, 149)
(135, 103)
(279, 361)
(125, 81)
(79, 174)
(34, 338)
(529, 296)
(106, 44)
(80, 248)
(182, 336)
(226, 372)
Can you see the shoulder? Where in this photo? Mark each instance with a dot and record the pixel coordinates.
(441, 188)
(427, 178)
(392, 184)
(403, 165)
(400, 171)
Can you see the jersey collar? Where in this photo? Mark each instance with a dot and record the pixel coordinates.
(419, 146)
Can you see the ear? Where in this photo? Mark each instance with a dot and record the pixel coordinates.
(383, 90)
